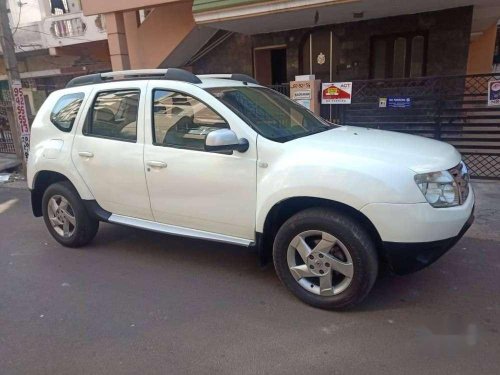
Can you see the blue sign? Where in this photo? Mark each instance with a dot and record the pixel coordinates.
(494, 92)
(398, 102)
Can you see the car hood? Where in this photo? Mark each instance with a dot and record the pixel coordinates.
(417, 153)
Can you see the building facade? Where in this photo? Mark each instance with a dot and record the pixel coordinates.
(430, 43)
(276, 40)
(54, 42)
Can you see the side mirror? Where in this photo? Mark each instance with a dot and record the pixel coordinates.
(225, 140)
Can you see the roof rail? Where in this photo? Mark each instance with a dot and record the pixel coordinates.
(234, 77)
(172, 74)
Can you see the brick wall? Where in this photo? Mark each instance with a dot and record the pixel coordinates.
(232, 56)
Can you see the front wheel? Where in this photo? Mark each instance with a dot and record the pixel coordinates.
(325, 258)
(66, 217)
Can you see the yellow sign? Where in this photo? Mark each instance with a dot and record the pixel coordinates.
(333, 91)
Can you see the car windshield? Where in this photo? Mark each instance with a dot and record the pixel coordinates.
(270, 113)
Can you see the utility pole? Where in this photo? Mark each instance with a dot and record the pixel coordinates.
(19, 127)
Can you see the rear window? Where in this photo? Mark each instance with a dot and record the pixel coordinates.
(114, 115)
(65, 111)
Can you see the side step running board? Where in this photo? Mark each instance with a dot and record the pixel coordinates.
(179, 231)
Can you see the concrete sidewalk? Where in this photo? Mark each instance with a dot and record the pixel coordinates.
(8, 161)
(487, 210)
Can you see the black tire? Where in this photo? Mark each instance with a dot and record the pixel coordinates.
(355, 238)
(85, 227)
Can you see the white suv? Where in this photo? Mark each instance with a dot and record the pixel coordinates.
(221, 158)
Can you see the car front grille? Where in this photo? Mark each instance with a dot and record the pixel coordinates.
(461, 176)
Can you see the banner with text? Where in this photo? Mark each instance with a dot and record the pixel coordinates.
(22, 117)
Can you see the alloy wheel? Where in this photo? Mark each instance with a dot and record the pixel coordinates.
(61, 216)
(320, 263)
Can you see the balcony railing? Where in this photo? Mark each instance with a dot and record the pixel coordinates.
(73, 28)
(6, 142)
(68, 28)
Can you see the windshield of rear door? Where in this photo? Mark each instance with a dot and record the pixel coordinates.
(270, 113)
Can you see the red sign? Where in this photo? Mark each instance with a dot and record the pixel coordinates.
(336, 93)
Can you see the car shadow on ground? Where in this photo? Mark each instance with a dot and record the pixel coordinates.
(390, 291)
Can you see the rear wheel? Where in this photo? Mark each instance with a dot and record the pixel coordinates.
(66, 217)
(325, 258)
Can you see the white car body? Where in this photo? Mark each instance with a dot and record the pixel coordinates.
(228, 197)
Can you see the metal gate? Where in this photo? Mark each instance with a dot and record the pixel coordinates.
(451, 109)
(6, 142)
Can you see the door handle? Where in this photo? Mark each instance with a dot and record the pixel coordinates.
(156, 164)
(86, 154)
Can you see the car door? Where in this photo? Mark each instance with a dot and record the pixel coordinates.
(189, 187)
(108, 149)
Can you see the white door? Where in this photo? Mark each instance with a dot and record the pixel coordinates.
(188, 186)
(108, 150)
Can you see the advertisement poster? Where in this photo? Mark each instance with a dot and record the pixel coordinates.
(494, 93)
(336, 93)
(22, 117)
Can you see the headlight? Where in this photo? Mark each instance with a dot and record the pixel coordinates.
(439, 188)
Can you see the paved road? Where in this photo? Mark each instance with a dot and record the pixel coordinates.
(138, 302)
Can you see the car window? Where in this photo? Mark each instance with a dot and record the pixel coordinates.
(114, 115)
(64, 113)
(179, 120)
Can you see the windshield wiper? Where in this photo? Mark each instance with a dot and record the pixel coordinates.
(290, 137)
(286, 138)
(319, 130)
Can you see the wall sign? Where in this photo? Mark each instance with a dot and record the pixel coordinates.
(22, 117)
(301, 92)
(494, 93)
(394, 102)
(303, 97)
(336, 93)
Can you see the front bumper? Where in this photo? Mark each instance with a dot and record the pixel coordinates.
(404, 258)
(418, 222)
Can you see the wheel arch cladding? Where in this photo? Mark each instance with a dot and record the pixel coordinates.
(42, 181)
(285, 209)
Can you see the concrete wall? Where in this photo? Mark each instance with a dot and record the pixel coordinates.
(90, 54)
(91, 7)
(448, 45)
(135, 45)
(481, 51)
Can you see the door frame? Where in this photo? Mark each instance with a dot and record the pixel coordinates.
(243, 130)
(268, 47)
